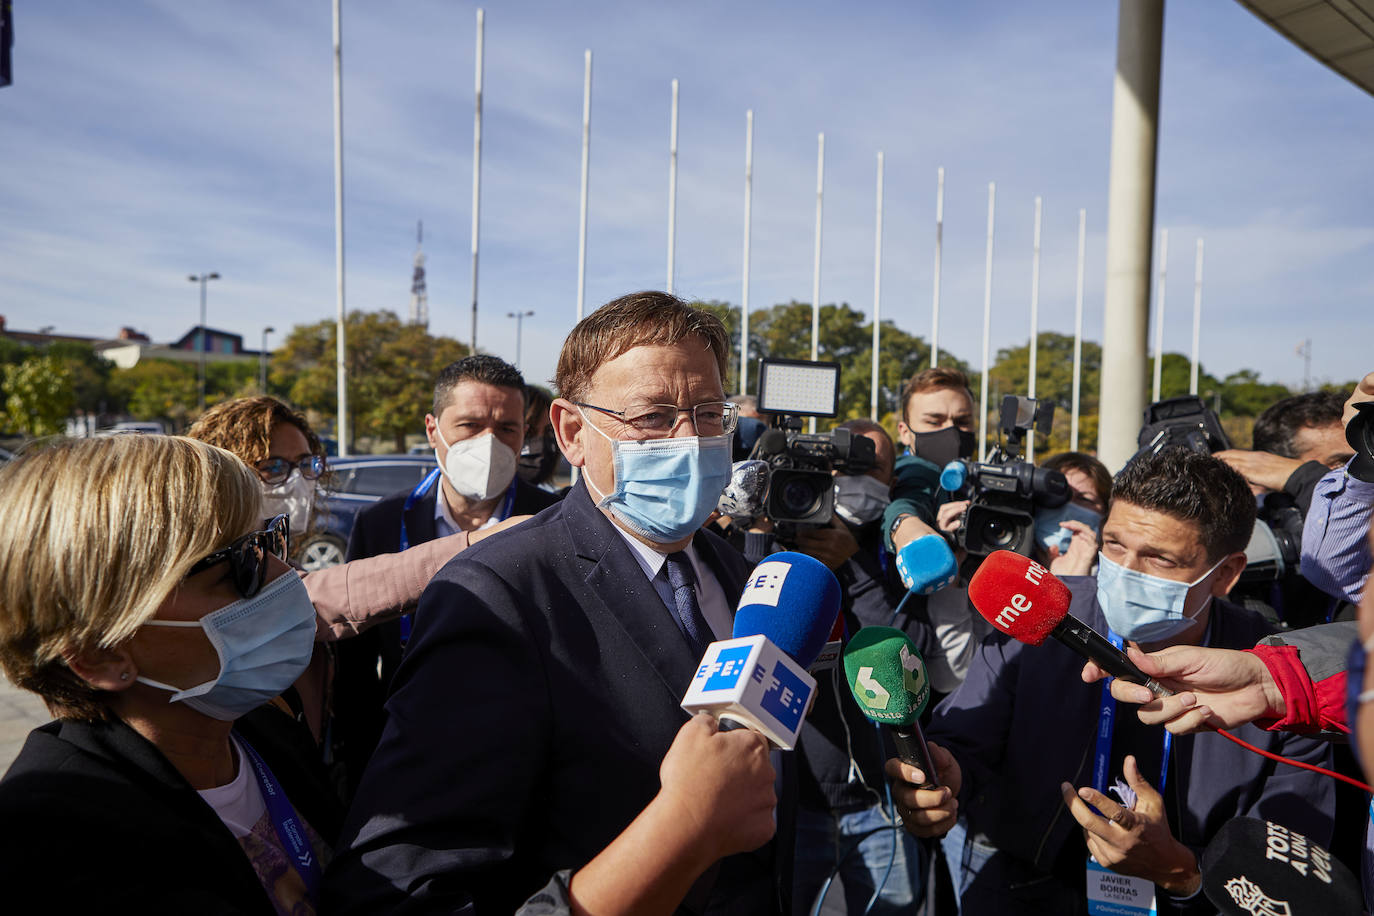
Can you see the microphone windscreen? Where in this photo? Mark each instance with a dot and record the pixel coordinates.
(1019, 596)
(743, 495)
(1254, 866)
(926, 564)
(886, 675)
(793, 600)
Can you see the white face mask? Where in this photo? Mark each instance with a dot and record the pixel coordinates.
(293, 497)
(479, 468)
(860, 498)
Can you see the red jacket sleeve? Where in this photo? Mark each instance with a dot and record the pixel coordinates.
(1310, 706)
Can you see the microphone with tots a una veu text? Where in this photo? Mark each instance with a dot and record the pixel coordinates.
(1259, 867)
(758, 678)
(1024, 599)
(888, 679)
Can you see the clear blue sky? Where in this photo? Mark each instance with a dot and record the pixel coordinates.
(143, 141)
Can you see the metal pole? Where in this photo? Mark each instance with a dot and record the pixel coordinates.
(519, 322)
(1034, 322)
(200, 380)
(341, 383)
(1197, 318)
(586, 162)
(939, 245)
(672, 190)
(816, 262)
(748, 218)
(877, 292)
(987, 327)
(1130, 227)
(262, 360)
(477, 169)
(1078, 329)
(1159, 313)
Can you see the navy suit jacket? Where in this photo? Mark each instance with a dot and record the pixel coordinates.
(538, 695)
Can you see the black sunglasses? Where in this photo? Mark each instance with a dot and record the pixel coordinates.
(248, 555)
(277, 470)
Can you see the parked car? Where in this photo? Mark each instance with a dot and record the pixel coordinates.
(356, 482)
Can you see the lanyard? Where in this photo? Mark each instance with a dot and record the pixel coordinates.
(415, 496)
(287, 823)
(1106, 724)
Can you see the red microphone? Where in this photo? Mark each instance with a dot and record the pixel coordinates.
(1024, 600)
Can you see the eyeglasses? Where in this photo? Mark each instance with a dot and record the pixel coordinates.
(656, 421)
(248, 555)
(278, 470)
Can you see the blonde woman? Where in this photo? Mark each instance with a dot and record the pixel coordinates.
(143, 598)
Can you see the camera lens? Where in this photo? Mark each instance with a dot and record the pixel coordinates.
(799, 497)
(997, 534)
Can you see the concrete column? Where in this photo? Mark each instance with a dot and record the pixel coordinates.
(1130, 227)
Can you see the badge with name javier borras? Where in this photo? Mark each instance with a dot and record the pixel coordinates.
(1113, 894)
(755, 683)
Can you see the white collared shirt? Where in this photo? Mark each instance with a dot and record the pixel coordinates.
(710, 596)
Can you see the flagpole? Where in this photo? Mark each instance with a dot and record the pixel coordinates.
(477, 167)
(987, 326)
(340, 350)
(1034, 323)
(939, 245)
(672, 190)
(1078, 328)
(748, 225)
(1159, 312)
(816, 262)
(877, 291)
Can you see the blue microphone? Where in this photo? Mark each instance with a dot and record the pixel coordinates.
(758, 678)
(926, 564)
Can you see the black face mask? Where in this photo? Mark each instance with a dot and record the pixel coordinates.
(538, 458)
(944, 445)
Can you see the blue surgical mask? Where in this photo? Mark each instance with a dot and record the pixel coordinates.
(665, 488)
(1047, 531)
(1145, 608)
(264, 643)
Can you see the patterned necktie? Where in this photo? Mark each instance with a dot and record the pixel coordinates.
(681, 577)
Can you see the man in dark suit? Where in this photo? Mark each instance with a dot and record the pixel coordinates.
(541, 687)
(476, 428)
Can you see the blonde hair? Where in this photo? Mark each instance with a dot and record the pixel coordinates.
(98, 533)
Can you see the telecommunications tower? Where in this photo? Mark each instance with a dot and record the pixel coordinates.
(419, 299)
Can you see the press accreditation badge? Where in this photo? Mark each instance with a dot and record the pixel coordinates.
(1112, 894)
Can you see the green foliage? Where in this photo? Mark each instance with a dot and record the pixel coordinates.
(391, 370)
(39, 395)
(158, 389)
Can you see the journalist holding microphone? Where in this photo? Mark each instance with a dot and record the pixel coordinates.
(540, 691)
(1054, 801)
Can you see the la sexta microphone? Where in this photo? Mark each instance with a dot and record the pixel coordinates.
(758, 678)
(1254, 866)
(888, 679)
(926, 564)
(742, 499)
(1022, 598)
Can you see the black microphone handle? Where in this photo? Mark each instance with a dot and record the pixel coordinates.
(1093, 646)
(912, 749)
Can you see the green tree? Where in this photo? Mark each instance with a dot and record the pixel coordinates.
(391, 369)
(158, 389)
(1010, 374)
(90, 376)
(39, 395)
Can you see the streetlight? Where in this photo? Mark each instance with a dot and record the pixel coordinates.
(262, 359)
(519, 320)
(202, 280)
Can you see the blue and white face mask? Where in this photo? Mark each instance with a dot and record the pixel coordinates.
(1047, 531)
(665, 488)
(264, 643)
(1145, 608)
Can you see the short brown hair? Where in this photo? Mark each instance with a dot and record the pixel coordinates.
(1192, 487)
(97, 534)
(637, 320)
(1082, 461)
(934, 379)
(244, 426)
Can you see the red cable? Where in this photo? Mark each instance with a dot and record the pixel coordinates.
(1296, 763)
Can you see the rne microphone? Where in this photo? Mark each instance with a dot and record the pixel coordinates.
(888, 679)
(759, 677)
(1254, 866)
(742, 499)
(1024, 599)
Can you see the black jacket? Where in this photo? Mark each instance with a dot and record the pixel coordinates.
(97, 820)
(535, 702)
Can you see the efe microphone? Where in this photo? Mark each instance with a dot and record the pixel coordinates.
(888, 679)
(1024, 599)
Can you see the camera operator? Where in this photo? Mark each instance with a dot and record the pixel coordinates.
(1335, 553)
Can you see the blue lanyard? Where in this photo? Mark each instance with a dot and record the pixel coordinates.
(415, 496)
(287, 823)
(1106, 724)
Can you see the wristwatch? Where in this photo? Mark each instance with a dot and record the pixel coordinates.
(896, 523)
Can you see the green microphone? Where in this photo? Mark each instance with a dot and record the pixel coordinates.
(888, 679)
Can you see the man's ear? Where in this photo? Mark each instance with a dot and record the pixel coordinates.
(103, 669)
(902, 432)
(567, 424)
(1228, 574)
(431, 425)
